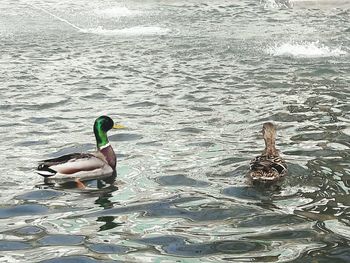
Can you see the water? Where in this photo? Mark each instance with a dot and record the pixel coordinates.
(193, 81)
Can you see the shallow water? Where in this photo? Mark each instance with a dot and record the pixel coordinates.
(193, 81)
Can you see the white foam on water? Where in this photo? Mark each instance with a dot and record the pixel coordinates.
(117, 11)
(132, 31)
(305, 50)
(276, 3)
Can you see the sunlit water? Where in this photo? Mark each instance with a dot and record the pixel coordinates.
(193, 81)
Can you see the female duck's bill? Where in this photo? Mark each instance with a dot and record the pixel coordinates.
(268, 167)
(84, 166)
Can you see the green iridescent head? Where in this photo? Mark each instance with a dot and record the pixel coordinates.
(102, 125)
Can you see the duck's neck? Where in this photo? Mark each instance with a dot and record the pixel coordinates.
(270, 147)
(110, 156)
(101, 138)
(104, 146)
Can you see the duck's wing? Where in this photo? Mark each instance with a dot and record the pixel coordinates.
(76, 165)
(267, 168)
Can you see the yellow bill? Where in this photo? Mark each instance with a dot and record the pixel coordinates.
(118, 126)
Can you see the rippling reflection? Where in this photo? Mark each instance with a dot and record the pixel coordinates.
(193, 81)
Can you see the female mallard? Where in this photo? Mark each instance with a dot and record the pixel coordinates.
(84, 166)
(269, 166)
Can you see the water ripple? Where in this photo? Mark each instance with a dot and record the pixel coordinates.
(193, 82)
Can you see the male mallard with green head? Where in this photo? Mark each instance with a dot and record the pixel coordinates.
(84, 166)
(269, 166)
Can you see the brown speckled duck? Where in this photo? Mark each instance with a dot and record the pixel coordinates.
(84, 166)
(269, 166)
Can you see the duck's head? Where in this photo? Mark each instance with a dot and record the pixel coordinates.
(269, 131)
(101, 126)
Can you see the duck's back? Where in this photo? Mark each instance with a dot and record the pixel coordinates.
(267, 168)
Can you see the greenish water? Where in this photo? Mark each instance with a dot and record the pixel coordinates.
(193, 81)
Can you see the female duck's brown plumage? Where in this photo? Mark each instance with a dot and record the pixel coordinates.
(269, 166)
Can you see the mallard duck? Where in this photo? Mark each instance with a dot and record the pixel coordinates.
(269, 166)
(84, 166)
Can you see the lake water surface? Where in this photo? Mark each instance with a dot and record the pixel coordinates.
(193, 81)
